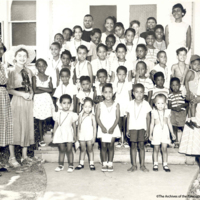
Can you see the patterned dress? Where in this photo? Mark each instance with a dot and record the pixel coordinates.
(43, 104)
(6, 125)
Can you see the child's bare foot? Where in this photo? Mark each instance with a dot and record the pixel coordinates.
(144, 169)
(132, 169)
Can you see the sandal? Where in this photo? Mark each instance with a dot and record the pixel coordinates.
(70, 169)
(13, 162)
(79, 167)
(189, 124)
(155, 168)
(92, 167)
(166, 168)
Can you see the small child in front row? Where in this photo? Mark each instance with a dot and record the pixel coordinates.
(86, 133)
(86, 91)
(177, 104)
(138, 121)
(191, 84)
(107, 116)
(65, 132)
(159, 130)
(65, 87)
(123, 96)
(141, 70)
(102, 76)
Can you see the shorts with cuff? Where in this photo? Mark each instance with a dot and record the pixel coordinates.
(137, 135)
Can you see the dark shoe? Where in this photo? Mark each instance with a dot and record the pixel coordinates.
(79, 167)
(92, 167)
(189, 124)
(166, 168)
(194, 124)
(155, 168)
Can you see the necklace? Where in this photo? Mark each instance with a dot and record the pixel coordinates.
(137, 115)
(118, 89)
(161, 121)
(182, 73)
(157, 46)
(56, 64)
(60, 123)
(80, 68)
(109, 109)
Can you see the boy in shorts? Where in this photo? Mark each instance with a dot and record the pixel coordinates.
(138, 122)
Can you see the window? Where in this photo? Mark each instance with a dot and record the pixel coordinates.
(23, 23)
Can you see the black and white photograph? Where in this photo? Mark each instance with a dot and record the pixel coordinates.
(99, 99)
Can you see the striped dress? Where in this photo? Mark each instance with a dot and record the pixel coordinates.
(6, 124)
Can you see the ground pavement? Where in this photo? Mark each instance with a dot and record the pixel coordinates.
(120, 184)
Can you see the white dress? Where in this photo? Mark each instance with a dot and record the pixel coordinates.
(85, 127)
(177, 39)
(108, 117)
(64, 132)
(43, 105)
(81, 69)
(122, 95)
(160, 134)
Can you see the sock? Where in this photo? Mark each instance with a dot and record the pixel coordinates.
(82, 162)
(165, 163)
(188, 119)
(91, 162)
(193, 119)
(110, 164)
(155, 163)
(104, 163)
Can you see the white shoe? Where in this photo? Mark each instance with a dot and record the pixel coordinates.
(59, 168)
(119, 145)
(42, 144)
(70, 169)
(126, 145)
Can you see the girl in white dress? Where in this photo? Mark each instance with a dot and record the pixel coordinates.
(159, 130)
(177, 34)
(82, 66)
(65, 132)
(131, 47)
(43, 104)
(123, 95)
(86, 133)
(107, 116)
(73, 45)
(102, 63)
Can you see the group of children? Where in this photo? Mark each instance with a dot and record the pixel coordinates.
(109, 85)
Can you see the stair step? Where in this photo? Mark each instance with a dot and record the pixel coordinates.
(50, 154)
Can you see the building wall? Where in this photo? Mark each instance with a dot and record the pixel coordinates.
(54, 15)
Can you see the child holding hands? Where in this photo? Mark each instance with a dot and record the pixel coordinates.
(138, 121)
(159, 130)
(107, 116)
(86, 133)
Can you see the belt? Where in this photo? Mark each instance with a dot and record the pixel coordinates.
(2, 85)
(20, 89)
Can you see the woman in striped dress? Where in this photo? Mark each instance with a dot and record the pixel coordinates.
(6, 125)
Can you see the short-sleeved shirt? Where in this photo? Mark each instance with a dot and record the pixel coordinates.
(157, 91)
(147, 83)
(82, 95)
(152, 55)
(176, 99)
(138, 114)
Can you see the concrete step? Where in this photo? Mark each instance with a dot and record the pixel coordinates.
(50, 154)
